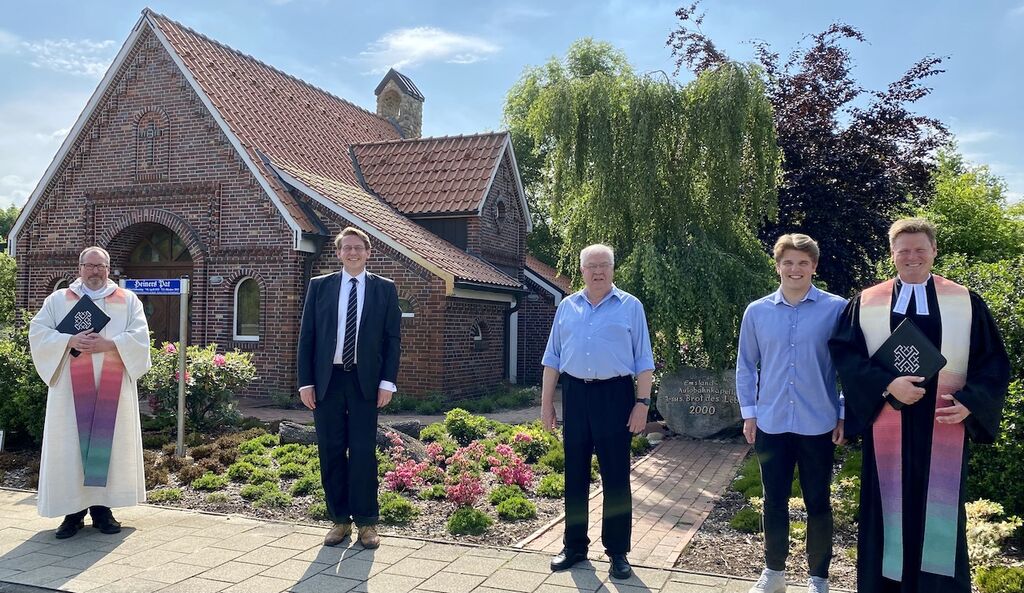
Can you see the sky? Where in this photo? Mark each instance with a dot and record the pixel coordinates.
(465, 55)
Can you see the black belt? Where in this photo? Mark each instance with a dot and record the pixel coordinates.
(599, 381)
(346, 368)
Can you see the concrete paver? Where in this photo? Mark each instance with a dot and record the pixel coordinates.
(266, 557)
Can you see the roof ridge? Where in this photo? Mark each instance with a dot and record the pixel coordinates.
(150, 12)
(426, 138)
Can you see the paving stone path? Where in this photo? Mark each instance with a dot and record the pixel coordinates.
(674, 489)
(179, 551)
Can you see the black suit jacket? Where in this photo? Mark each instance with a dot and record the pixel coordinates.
(379, 339)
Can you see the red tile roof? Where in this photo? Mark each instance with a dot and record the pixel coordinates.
(548, 273)
(449, 174)
(403, 231)
(309, 132)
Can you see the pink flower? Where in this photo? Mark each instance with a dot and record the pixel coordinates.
(522, 437)
(170, 349)
(219, 360)
(405, 476)
(466, 491)
(188, 377)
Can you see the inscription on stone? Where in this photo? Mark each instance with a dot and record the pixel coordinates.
(700, 403)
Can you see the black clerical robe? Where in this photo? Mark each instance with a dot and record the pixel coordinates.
(864, 383)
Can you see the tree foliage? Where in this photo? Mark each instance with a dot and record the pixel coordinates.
(8, 271)
(676, 179)
(854, 159)
(7, 217)
(971, 211)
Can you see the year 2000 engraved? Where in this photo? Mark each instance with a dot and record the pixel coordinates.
(702, 410)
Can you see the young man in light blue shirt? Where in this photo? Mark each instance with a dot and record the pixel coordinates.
(792, 412)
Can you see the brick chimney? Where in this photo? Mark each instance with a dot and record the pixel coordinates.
(400, 101)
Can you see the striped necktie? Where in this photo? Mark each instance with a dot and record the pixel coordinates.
(348, 351)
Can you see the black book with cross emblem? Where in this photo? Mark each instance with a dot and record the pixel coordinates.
(84, 315)
(907, 351)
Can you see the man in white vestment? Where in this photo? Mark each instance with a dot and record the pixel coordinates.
(92, 438)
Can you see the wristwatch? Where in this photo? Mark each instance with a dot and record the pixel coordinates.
(644, 400)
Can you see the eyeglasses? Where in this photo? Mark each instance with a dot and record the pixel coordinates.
(600, 266)
(94, 267)
(351, 248)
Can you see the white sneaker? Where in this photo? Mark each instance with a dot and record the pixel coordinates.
(817, 585)
(771, 581)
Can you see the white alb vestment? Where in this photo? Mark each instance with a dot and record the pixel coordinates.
(61, 475)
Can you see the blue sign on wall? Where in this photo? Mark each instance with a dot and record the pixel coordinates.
(154, 286)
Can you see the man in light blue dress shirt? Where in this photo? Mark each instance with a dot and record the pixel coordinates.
(793, 415)
(599, 342)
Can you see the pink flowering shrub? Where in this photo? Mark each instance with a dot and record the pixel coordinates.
(211, 381)
(466, 491)
(466, 460)
(509, 467)
(405, 476)
(435, 452)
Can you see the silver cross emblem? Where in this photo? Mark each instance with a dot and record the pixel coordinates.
(83, 320)
(907, 359)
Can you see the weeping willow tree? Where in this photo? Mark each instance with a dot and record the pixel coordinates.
(676, 178)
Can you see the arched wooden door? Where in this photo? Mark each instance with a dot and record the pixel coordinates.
(160, 254)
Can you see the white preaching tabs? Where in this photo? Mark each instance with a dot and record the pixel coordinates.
(920, 298)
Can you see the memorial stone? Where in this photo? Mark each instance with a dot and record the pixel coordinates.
(700, 403)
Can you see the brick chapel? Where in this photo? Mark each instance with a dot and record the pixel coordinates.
(193, 159)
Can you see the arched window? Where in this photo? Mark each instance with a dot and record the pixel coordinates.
(60, 283)
(406, 306)
(478, 335)
(247, 310)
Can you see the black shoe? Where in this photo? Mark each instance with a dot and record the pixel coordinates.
(107, 525)
(567, 558)
(620, 566)
(69, 528)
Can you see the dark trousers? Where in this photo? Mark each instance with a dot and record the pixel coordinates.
(346, 434)
(595, 417)
(99, 513)
(778, 454)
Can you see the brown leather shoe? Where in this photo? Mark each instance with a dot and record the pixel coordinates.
(368, 537)
(337, 534)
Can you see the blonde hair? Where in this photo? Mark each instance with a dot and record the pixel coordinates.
(912, 225)
(797, 241)
(351, 230)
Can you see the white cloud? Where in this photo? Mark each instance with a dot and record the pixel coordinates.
(81, 57)
(1019, 11)
(969, 137)
(32, 129)
(407, 48)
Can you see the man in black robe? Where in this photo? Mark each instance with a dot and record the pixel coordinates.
(923, 412)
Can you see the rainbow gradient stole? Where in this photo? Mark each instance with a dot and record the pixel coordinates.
(943, 499)
(96, 406)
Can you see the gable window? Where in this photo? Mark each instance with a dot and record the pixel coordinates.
(247, 310)
(406, 306)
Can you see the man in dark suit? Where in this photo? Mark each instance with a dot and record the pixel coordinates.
(348, 363)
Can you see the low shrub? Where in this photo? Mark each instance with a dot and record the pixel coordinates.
(435, 492)
(262, 475)
(465, 427)
(210, 481)
(748, 479)
(985, 533)
(503, 493)
(252, 447)
(293, 457)
(156, 440)
(241, 471)
(283, 450)
(202, 451)
(292, 470)
(797, 531)
(595, 469)
(517, 508)
(210, 464)
(846, 501)
(164, 495)
(433, 432)
(398, 511)
(318, 511)
(306, 485)
(189, 473)
(217, 498)
(257, 460)
(154, 476)
(466, 491)
(552, 486)
(468, 521)
(384, 463)
(639, 445)
(1000, 579)
(255, 491)
(172, 463)
(555, 459)
(746, 520)
(273, 499)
